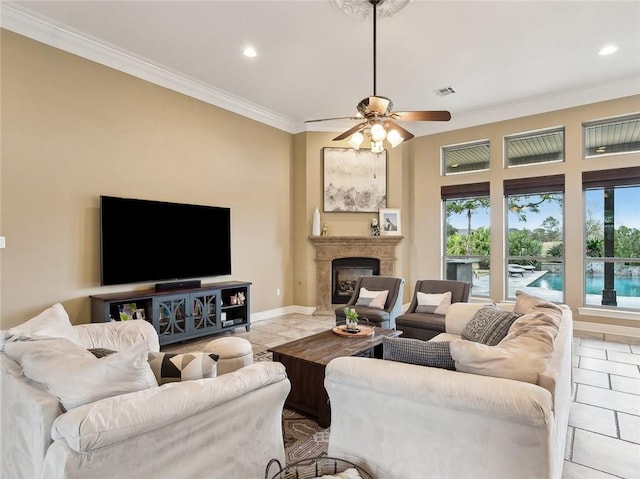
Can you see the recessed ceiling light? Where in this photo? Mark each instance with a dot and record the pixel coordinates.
(250, 52)
(608, 50)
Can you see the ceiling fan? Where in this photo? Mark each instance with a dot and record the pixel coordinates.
(379, 119)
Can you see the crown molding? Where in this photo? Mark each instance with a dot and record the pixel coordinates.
(44, 31)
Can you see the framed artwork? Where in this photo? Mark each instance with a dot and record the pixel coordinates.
(389, 221)
(354, 180)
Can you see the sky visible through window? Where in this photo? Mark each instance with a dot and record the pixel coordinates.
(626, 208)
(627, 211)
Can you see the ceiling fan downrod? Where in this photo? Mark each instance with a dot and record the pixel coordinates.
(375, 4)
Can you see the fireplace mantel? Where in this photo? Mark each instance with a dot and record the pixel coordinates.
(329, 248)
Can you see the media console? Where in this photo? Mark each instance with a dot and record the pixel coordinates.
(180, 314)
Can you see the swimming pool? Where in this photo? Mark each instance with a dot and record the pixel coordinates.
(624, 285)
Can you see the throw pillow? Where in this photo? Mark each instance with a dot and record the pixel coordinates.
(373, 299)
(170, 367)
(53, 322)
(433, 303)
(527, 303)
(489, 325)
(416, 351)
(82, 378)
(101, 352)
(521, 355)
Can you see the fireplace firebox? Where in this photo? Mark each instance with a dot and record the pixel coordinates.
(346, 271)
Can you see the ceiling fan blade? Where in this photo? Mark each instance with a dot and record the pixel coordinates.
(406, 135)
(436, 115)
(336, 118)
(350, 131)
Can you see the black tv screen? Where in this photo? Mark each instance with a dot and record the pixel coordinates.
(144, 240)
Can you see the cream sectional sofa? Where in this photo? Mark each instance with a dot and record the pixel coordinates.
(407, 421)
(223, 427)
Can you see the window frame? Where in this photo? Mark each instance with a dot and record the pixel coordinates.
(539, 185)
(603, 180)
(479, 190)
(533, 134)
(608, 122)
(463, 146)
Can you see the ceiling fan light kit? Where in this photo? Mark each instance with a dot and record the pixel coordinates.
(376, 111)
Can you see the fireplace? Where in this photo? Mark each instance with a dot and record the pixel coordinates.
(329, 248)
(346, 271)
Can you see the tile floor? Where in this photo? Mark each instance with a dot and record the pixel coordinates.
(603, 438)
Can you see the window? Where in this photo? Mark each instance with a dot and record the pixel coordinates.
(466, 235)
(612, 238)
(531, 148)
(535, 250)
(464, 158)
(607, 137)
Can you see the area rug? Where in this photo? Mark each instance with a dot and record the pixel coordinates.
(303, 438)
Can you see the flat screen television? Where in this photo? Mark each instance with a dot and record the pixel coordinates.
(144, 240)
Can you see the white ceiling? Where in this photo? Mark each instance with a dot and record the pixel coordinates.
(504, 59)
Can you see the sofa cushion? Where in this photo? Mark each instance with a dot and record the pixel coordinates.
(521, 355)
(433, 303)
(170, 367)
(489, 325)
(53, 322)
(77, 377)
(118, 335)
(372, 299)
(416, 351)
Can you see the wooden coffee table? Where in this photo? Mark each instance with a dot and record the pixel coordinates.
(306, 359)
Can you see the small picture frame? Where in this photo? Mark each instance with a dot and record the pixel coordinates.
(126, 311)
(389, 222)
(139, 314)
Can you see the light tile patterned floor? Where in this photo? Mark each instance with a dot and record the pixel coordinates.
(603, 438)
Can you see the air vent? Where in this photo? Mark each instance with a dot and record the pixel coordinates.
(444, 91)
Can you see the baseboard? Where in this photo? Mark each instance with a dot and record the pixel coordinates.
(273, 313)
(610, 329)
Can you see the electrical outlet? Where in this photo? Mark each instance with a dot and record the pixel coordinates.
(278, 292)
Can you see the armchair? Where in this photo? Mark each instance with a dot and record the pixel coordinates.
(427, 325)
(382, 318)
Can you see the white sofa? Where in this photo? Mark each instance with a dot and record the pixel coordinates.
(223, 427)
(407, 421)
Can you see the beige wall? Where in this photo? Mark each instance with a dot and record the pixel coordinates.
(73, 130)
(341, 224)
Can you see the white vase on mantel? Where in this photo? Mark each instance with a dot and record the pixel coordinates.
(315, 229)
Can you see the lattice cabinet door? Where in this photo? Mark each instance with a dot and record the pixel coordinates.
(204, 315)
(170, 317)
